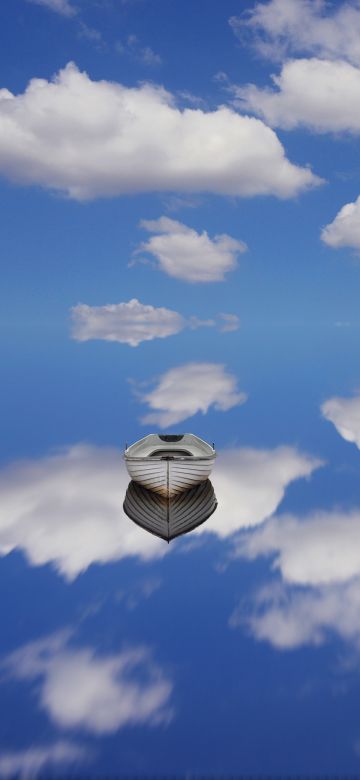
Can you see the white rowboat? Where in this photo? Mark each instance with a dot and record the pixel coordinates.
(169, 464)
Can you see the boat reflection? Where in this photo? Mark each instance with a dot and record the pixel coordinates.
(173, 516)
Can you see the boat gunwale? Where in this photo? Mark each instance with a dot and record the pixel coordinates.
(191, 445)
(155, 459)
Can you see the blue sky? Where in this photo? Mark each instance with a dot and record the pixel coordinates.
(180, 236)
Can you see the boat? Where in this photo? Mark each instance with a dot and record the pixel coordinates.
(172, 516)
(168, 464)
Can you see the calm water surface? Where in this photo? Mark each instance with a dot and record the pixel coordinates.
(234, 646)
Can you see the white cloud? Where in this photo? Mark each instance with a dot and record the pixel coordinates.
(321, 549)
(321, 95)
(134, 322)
(92, 139)
(250, 484)
(189, 389)
(230, 322)
(318, 559)
(149, 57)
(133, 596)
(344, 413)
(100, 694)
(66, 508)
(195, 322)
(128, 323)
(91, 34)
(62, 7)
(280, 27)
(31, 761)
(290, 618)
(174, 203)
(345, 228)
(137, 51)
(185, 254)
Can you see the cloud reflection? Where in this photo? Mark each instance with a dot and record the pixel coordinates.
(99, 694)
(320, 549)
(133, 322)
(186, 390)
(183, 253)
(288, 618)
(66, 508)
(31, 761)
(251, 483)
(319, 592)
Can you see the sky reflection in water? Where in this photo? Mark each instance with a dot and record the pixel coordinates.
(120, 651)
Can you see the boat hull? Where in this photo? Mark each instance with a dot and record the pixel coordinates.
(171, 476)
(170, 517)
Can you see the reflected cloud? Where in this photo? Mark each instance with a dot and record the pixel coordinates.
(31, 761)
(186, 390)
(134, 322)
(62, 7)
(250, 484)
(128, 323)
(319, 549)
(344, 413)
(288, 618)
(319, 562)
(142, 590)
(185, 254)
(66, 508)
(230, 322)
(100, 694)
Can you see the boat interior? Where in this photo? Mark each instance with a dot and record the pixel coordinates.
(170, 453)
(169, 446)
